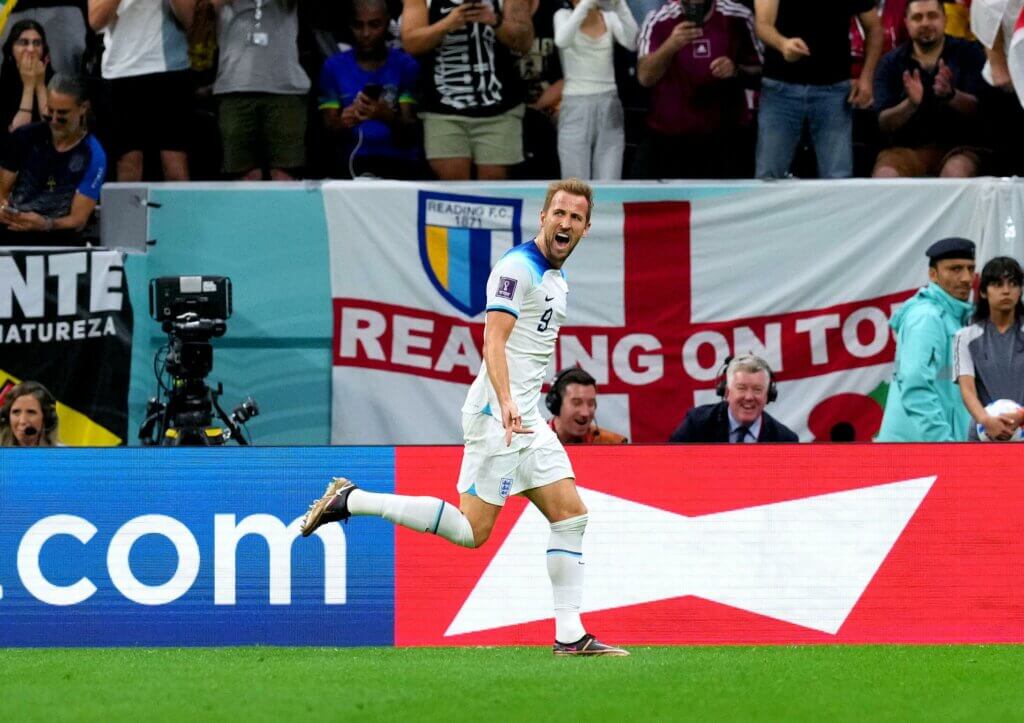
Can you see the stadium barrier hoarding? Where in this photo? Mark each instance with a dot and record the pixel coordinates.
(688, 544)
(758, 544)
(66, 322)
(169, 547)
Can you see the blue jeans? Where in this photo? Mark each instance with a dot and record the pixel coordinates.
(784, 109)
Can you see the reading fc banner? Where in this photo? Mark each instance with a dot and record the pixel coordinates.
(66, 321)
(668, 283)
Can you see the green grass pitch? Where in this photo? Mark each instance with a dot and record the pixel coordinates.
(812, 683)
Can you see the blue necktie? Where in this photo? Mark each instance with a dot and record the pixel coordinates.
(741, 433)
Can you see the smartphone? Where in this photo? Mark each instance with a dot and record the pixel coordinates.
(694, 11)
(373, 90)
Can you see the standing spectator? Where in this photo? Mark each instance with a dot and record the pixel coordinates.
(591, 132)
(698, 59)
(261, 89)
(367, 98)
(807, 80)
(65, 22)
(146, 61)
(23, 76)
(989, 361)
(51, 173)
(541, 70)
(472, 91)
(926, 96)
(924, 404)
(894, 31)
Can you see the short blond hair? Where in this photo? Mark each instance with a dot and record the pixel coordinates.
(574, 187)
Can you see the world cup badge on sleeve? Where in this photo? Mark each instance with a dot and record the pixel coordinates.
(507, 287)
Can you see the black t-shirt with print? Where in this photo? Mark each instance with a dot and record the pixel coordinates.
(470, 73)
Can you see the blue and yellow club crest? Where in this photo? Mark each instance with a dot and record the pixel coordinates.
(460, 239)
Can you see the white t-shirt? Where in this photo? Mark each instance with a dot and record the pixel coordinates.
(587, 63)
(525, 285)
(143, 38)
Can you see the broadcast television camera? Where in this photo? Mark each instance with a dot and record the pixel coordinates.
(192, 310)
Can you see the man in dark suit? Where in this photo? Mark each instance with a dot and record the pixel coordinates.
(747, 387)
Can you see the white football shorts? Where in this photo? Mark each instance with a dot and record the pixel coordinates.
(493, 472)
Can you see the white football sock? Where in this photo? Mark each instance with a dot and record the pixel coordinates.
(565, 568)
(422, 514)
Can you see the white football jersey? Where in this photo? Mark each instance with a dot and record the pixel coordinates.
(525, 285)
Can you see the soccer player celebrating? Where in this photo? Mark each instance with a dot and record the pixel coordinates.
(508, 448)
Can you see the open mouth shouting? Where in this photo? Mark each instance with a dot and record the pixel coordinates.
(562, 240)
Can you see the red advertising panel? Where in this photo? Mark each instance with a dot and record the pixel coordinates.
(756, 544)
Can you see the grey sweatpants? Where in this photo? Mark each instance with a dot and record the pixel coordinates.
(591, 136)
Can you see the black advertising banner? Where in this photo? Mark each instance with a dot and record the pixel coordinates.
(66, 322)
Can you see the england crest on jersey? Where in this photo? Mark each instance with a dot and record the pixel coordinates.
(461, 237)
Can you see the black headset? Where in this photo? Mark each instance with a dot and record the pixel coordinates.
(47, 403)
(723, 377)
(569, 375)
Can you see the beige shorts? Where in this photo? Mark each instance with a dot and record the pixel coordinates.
(926, 161)
(493, 141)
(494, 472)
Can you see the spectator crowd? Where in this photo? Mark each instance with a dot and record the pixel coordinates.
(495, 89)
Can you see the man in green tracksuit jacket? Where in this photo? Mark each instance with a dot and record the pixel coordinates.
(924, 403)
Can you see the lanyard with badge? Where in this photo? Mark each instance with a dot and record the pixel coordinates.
(258, 36)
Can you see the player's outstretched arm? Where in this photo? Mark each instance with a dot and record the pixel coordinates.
(497, 329)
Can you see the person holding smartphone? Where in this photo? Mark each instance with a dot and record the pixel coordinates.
(368, 103)
(473, 95)
(699, 58)
(591, 126)
(51, 173)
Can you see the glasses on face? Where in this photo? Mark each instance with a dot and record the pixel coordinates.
(29, 42)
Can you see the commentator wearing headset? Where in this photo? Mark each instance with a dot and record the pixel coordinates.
(572, 400)
(28, 417)
(746, 386)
